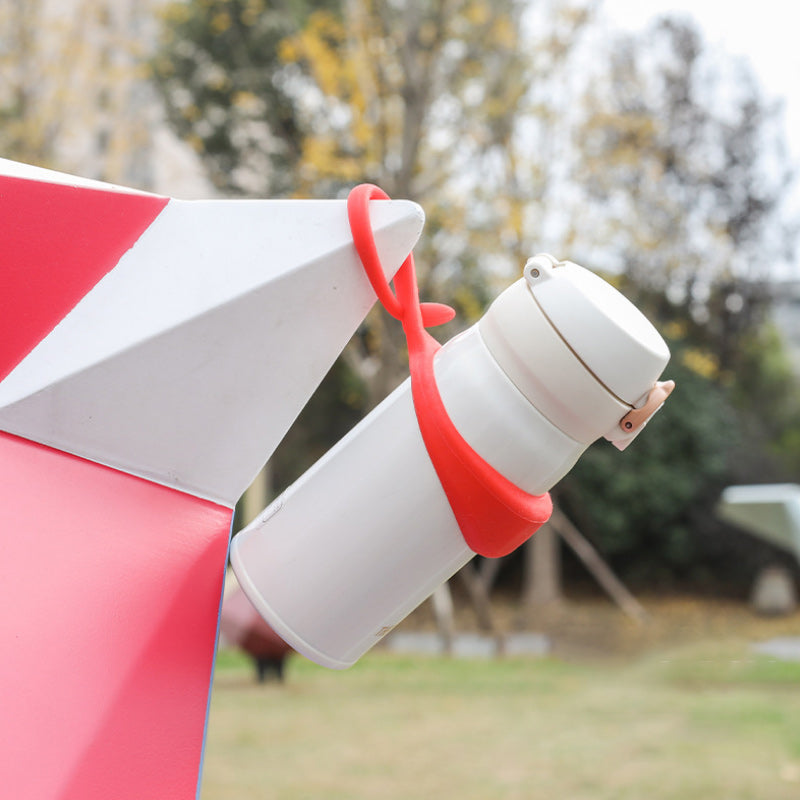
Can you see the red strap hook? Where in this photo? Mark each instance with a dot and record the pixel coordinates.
(495, 516)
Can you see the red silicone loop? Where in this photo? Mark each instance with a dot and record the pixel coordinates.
(495, 516)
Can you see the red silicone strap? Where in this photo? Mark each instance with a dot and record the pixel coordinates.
(495, 516)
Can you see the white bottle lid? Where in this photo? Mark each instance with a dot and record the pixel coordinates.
(582, 353)
(615, 341)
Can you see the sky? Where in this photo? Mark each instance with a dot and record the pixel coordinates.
(765, 32)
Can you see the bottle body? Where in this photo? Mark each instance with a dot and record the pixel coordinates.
(559, 360)
(367, 533)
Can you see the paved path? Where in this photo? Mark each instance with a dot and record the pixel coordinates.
(469, 645)
(786, 648)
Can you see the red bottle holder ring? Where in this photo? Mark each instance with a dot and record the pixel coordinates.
(495, 516)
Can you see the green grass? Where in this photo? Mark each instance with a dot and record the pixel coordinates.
(698, 721)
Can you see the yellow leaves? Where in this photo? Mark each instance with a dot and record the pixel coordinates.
(195, 142)
(175, 13)
(216, 79)
(321, 154)
(324, 64)
(478, 12)
(428, 33)
(516, 214)
(318, 44)
(323, 159)
(65, 75)
(191, 113)
(290, 50)
(363, 132)
(496, 28)
(337, 62)
(245, 101)
(470, 306)
(675, 329)
(321, 30)
(220, 22)
(251, 12)
(503, 33)
(496, 107)
(701, 362)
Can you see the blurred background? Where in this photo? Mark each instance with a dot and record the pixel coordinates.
(653, 142)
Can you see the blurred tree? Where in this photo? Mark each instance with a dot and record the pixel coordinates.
(643, 501)
(23, 133)
(74, 95)
(467, 106)
(682, 178)
(652, 509)
(424, 99)
(434, 101)
(227, 92)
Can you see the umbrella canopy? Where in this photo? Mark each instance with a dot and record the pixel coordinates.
(126, 321)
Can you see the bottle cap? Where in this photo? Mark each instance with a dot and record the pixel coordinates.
(581, 353)
(612, 338)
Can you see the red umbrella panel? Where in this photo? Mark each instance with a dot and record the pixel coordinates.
(126, 319)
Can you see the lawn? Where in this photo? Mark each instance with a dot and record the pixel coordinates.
(699, 717)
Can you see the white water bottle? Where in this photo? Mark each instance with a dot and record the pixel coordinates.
(559, 360)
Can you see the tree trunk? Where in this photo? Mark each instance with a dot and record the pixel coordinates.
(595, 564)
(256, 497)
(479, 597)
(443, 611)
(542, 585)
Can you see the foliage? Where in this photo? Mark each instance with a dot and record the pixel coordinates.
(333, 410)
(73, 95)
(684, 180)
(669, 173)
(643, 499)
(681, 180)
(426, 99)
(429, 100)
(665, 173)
(226, 93)
(767, 391)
